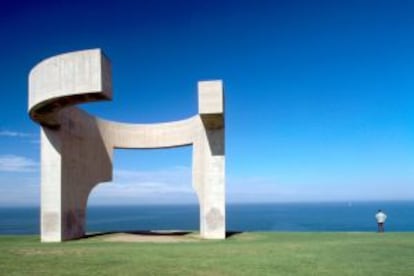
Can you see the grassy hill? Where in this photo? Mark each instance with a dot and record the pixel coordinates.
(242, 254)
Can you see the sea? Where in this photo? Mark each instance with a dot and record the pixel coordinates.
(306, 217)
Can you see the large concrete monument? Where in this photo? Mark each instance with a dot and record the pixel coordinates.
(77, 148)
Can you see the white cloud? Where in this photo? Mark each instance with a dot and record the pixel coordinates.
(271, 189)
(258, 189)
(19, 190)
(171, 185)
(14, 163)
(8, 133)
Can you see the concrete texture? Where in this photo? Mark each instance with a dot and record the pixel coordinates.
(77, 148)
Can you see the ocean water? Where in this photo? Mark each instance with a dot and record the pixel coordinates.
(345, 216)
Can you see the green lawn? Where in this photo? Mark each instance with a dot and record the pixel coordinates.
(243, 254)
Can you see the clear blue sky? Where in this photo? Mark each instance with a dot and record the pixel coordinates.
(319, 94)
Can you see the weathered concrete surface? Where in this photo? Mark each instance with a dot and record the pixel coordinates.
(77, 148)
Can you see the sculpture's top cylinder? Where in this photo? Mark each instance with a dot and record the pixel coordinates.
(68, 79)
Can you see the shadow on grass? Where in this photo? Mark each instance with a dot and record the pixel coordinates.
(233, 233)
(151, 233)
(138, 232)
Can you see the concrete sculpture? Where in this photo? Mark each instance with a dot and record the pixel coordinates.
(77, 148)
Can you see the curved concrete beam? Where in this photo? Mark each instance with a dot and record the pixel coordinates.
(77, 148)
(150, 136)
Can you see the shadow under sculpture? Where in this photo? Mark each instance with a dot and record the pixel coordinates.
(77, 148)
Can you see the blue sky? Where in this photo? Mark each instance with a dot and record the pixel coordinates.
(319, 94)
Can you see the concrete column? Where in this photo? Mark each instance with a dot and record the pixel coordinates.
(51, 190)
(74, 160)
(209, 174)
(209, 153)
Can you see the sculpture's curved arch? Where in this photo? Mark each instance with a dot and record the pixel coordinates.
(151, 136)
(77, 148)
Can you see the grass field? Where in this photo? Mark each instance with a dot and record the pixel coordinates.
(242, 254)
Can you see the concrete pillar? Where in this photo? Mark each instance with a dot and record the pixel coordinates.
(74, 159)
(51, 194)
(209, 153)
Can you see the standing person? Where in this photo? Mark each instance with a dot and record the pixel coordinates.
(380, 217)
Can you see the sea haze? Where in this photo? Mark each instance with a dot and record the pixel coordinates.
(343, 216)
